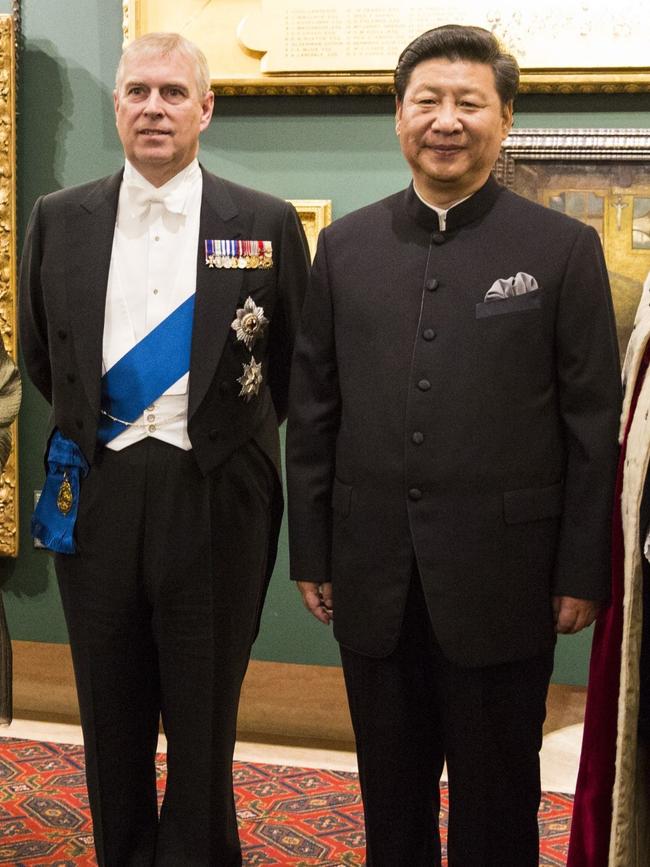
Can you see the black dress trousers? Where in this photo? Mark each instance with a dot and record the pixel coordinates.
(162, 602)
(412, 711)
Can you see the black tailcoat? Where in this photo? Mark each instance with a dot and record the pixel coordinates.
(63, 284)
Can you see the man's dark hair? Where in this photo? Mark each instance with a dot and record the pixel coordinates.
(457, 42)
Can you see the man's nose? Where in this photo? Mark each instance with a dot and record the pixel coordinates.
(446, 118)
(154, 103)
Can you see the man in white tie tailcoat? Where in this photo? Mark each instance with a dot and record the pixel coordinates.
(158, 308)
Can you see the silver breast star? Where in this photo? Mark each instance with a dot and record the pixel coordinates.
(250, 323)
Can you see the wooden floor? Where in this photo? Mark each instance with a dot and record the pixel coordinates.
(282, 703)
(565, 706)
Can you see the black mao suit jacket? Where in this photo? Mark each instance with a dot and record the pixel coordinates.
(478, 438)
(63, 284)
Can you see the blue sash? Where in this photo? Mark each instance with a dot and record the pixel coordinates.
(127, 389)
(146, 371)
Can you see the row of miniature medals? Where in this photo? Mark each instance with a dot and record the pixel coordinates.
(238, 254)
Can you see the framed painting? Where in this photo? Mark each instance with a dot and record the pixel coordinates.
(351, 46)
(601, 177)
(314, 215)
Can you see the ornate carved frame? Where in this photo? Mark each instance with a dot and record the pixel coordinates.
(576, 145)
(9, 478)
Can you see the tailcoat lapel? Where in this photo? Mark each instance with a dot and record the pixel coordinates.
(217, 289)
(90, 227)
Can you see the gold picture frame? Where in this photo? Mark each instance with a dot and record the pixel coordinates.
(9, 477)
(314, 215)
(601, 176)
(338, 47)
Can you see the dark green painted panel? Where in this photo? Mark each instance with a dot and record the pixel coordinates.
(343, 149)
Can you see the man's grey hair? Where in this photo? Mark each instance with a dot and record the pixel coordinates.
(162, 44)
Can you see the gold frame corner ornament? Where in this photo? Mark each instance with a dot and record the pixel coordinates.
(314, 215)
(128, 22)
(9, 476)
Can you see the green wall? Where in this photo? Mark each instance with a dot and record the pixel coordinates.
(343, 149)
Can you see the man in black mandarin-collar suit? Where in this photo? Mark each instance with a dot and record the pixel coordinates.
(451, 456)
(174, 547)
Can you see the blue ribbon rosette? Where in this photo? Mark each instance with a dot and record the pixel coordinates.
(56, 511)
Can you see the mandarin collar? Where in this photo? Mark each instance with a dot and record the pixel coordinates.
(458, 215)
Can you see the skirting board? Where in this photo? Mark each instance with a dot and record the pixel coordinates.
(280, 702)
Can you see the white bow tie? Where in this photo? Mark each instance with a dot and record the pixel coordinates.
(141, 199)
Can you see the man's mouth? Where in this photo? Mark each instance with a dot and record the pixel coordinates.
(154, 132)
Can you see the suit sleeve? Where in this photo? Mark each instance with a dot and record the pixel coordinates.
(314, 419)
(588, 377)
(34, 339)
(293, 277)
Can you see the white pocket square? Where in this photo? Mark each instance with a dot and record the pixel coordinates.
(508, 287)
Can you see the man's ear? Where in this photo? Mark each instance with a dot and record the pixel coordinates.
(507, 117)
(398, 114)
(207, 107)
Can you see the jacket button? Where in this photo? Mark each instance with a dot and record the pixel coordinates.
(428, 334)
(438, 238)
(79, 422)
(224, 388)
(213, 434)
(415, 494)
(71, 377)
(424, 385)
(62, 334)
(432, 284)
(417, 437)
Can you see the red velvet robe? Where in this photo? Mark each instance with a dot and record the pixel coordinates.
(592, 810)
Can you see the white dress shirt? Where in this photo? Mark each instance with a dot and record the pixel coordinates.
(152, 272)
(441, 212)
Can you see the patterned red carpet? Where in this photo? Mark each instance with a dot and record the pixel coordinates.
(292, 816)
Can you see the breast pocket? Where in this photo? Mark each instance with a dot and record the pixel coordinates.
(526, 303)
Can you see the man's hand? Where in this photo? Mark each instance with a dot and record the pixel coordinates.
(317, 599)
(571, 615)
